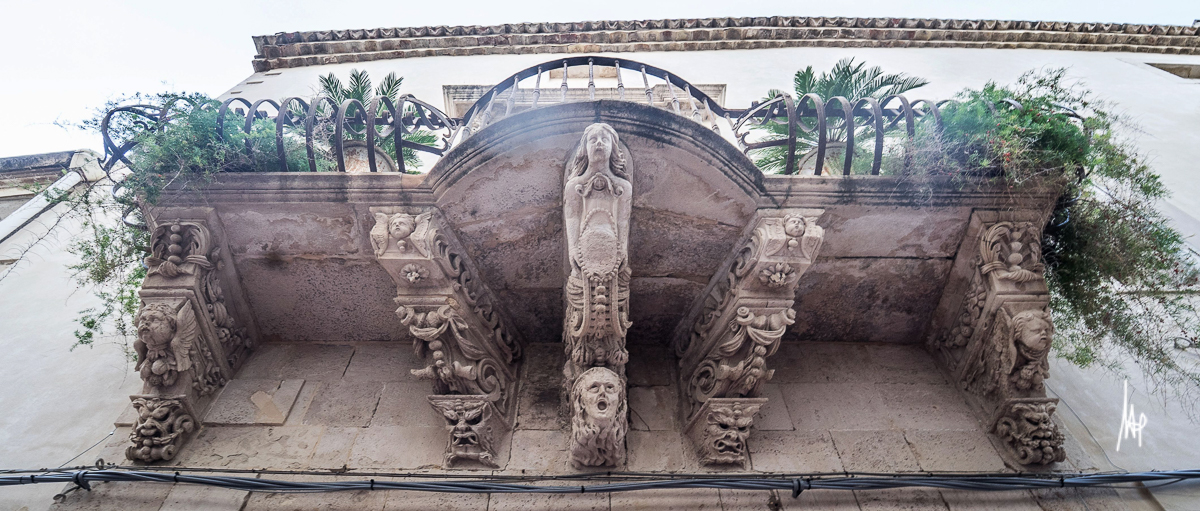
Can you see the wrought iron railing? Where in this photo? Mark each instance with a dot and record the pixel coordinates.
(808, 129)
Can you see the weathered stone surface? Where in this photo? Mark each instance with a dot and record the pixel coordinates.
(254, 401)
(272, 231)
(912, 406)
(557, 501)
(823, 406)
(893, 232)
(900, 499)
(345, 404)
(874, 451)
(116, 495)
(652, 408)
(284, 447)
(794, 452)
(333, 447)
(540, 400)
(773, 416)
(309, 299)
(383, 361)
(668, 500)
(650, 364)
(406, 404)
(868, 299)
(954, 451)
(365, 500)
(399, 447)
(204, 498)
(423, 501)
(291, 361)
(539, 452)
(656, 451)
(981, 501)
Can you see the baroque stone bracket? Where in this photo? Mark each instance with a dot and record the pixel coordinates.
(459, 329)
(597, 201)
(188, 341)
(993, 330)
(738, 322)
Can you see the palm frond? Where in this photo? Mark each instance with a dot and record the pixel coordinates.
(332, 87)
(389, 87)
(360, 86)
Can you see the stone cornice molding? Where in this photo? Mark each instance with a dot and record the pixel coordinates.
(299, 49)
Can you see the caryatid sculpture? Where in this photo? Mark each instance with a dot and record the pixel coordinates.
(597, 199)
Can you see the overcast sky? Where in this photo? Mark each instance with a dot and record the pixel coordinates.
(64, 59)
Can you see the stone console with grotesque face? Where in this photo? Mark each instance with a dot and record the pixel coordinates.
(599, 418)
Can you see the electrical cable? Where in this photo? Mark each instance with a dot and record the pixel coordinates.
(993, 482)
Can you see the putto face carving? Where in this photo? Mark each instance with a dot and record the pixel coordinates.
(1033, 331)
(794, 226)
(599, 418)
(400, 226)
(156, 326)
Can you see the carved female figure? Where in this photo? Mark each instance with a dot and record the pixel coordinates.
(597, 199)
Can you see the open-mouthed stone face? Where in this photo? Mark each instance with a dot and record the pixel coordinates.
(601, 395)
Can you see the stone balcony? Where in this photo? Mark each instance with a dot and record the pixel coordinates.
(875, 373)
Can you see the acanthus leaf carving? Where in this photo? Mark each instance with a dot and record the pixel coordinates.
(162, 426)
(1012, 251)
(178, 248)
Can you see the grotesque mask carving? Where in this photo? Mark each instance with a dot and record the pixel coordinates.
(1030, 432)
(721, 429)
(473, 428)
(599, 418)
(160, 428)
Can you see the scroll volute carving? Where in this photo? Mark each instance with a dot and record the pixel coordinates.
(455, 320)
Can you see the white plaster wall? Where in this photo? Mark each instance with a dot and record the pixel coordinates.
(55, 402)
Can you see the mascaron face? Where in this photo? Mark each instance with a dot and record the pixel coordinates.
(154, 328)
(601, 394)
(793, 226)
(1035, 334)
(401, 226)
(599, 145)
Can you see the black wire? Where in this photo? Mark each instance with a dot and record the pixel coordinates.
(991, 482)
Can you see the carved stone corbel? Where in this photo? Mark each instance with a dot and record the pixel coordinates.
(597, 201)
(737, 324)
(720, 429)
(1027, 428)
(459, 329)
(476, 428)
(187, 340)
(163, 425)
(998, 344)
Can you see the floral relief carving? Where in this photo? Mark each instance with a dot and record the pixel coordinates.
(741, 319)
(599, 418)
(161, 428)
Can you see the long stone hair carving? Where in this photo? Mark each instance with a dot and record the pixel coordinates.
(616, 161)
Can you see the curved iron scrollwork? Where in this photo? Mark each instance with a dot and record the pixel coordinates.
(351, 120)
